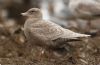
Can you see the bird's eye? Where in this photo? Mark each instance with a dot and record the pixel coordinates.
(32, 11)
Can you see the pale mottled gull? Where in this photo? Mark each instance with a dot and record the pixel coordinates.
(45, 33)
(85, 9)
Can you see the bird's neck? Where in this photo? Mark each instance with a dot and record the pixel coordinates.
(33, 19)
(37, 17)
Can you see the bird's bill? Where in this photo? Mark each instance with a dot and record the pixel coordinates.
(24, 14)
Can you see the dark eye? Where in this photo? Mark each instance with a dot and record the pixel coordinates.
(32, 11)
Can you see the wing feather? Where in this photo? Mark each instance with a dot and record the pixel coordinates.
(51, 31)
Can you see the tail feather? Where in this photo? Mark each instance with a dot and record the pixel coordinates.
(81, 35)
(70, 34)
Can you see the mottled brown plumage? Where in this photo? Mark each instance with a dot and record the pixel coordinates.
(46, 34)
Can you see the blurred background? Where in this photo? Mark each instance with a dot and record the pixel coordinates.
(12, 38)
(54, 10)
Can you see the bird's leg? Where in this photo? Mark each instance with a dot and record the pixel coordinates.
(41, 54)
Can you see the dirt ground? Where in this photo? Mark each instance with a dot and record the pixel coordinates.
(13, 51)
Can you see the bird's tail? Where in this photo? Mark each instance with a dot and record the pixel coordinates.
(71, 35)
(81, 35)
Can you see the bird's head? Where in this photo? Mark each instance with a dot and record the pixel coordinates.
(33, 13)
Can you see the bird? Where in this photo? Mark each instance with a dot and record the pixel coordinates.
(85, 9)
(46, 34)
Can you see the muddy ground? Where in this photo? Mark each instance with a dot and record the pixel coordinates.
(14, 51)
